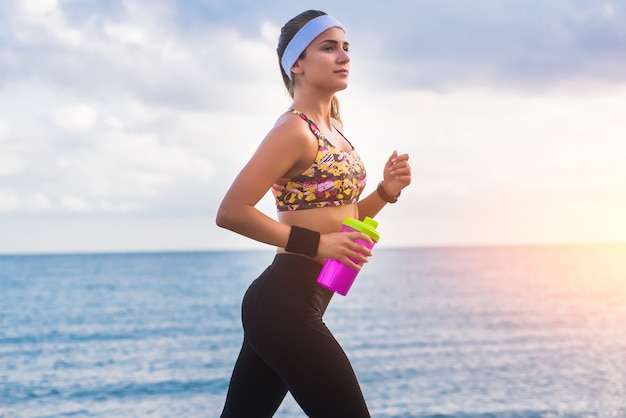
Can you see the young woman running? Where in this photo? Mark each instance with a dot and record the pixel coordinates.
(317, 178)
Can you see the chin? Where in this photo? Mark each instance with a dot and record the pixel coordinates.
(342, 86)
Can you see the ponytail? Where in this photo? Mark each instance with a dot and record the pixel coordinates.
(334, 108)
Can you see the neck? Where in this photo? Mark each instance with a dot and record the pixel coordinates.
(315, 106)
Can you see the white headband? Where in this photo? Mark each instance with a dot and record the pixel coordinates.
(304, 37)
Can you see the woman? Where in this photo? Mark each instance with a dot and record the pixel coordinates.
(317, 178)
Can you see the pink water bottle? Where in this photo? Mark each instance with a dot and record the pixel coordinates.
(337, 276)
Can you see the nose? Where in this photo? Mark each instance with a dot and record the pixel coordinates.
(344, 57)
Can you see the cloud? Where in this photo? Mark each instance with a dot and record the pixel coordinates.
(8, 201)
(4, 129)
(74, 118)
(515, 44)
(38, 7)
(127, 33)
(75, 204)
(139, 52)
(115, 112)
(193, 55)
(126, 114)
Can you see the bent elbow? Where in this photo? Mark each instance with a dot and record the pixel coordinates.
(227, 217)
(221, 219)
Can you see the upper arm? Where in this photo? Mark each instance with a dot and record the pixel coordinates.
(286, 147)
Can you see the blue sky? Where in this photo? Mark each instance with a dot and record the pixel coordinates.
(122, 123)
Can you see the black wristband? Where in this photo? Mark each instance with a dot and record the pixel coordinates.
(383, 195)
(303, 241)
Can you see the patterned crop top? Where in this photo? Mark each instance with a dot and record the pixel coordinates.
(335, 178)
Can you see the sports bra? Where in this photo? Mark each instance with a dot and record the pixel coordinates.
(335, 178)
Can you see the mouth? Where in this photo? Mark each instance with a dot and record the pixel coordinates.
(342, 71)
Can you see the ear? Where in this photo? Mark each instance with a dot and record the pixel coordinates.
(296, 68)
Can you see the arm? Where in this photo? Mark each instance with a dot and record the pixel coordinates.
(396, 176)
(286, 151)
(286, 148)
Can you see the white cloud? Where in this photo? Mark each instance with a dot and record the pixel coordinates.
(134, 114)
(75, 204)
(43, 21)
(78, 117)
(9, 201)
(124, 169)
(38, 7)
(609, 10)
(39, 202)
(482, 157)
(4, 130)
(10, 163)
(128, 136)
(522, 46)
(270, 33)
(127, 33)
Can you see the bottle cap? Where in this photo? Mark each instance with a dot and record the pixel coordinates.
(367, 226)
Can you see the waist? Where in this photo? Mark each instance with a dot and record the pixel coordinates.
(289, 284)
(296, 262)
(323, 220)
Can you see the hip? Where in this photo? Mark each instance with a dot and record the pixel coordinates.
(286, 291)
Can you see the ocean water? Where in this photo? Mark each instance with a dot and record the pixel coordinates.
(450, 332)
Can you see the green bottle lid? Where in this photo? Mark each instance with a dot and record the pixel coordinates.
(367, 226)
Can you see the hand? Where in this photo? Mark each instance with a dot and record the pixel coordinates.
(396, 174)
(343, 246)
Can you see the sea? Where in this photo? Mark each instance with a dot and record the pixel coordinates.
(480, 332)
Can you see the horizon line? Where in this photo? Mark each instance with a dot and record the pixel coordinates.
(271, 249)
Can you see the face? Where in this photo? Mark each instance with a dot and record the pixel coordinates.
(326, 62)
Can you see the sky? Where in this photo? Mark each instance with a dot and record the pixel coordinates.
(123, 123)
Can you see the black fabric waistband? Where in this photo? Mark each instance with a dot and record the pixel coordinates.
(299, 262)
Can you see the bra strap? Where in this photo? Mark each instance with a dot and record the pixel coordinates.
(316, 131)
(312, 125)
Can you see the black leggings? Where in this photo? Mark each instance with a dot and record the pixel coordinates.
(287, 347)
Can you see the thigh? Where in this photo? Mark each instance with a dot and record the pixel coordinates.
(255, 390)
(283, 313)
(319, 374)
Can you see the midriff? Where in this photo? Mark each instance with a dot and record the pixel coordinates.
(323, 220)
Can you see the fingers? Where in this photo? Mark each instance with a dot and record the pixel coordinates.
(400, 169)
(357, 251)
(395, 157)
(391, 159)
(351, 248)
(359, 242)
(397, 173)
(397, 162)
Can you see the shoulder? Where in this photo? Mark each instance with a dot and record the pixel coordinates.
(293, 122)
(291, 131)
(290, 140)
